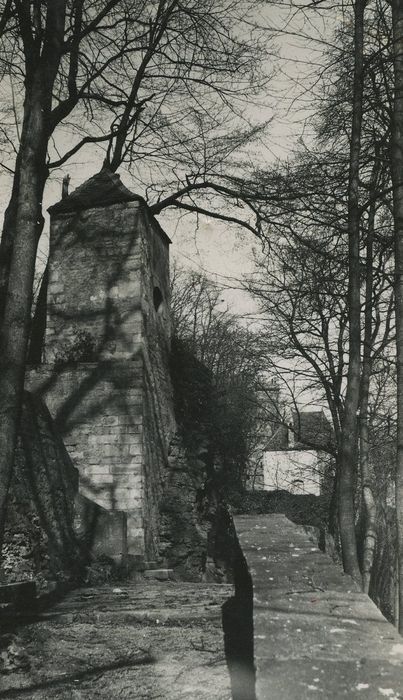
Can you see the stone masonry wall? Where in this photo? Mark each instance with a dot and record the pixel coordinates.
(158, 418)
(106, 373)
(94, 284)
(98, 410)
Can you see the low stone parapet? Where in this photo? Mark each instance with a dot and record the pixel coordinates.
(315, 634)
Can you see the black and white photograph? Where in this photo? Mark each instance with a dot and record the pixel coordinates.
(201, 349)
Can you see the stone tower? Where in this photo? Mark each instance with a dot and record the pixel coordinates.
(105, 372)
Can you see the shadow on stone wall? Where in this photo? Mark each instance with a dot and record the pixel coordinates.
(183, 530)
(39, 542)
(54, 536)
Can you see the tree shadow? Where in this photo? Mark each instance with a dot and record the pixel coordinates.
(83, 675)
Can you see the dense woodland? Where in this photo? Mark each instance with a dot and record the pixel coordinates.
(180, 96)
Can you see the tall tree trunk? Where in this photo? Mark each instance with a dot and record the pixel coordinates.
(7, 239)
(17, 312)
(369, 539)
(397, 179)
(347, 459)
(42, 67)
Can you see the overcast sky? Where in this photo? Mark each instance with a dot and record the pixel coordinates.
(221, 252)
(213, 247)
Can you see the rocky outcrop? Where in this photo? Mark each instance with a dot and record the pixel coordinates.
(184, 529)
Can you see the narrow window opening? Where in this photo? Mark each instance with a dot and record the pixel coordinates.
(157, 298)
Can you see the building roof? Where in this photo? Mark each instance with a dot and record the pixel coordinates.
(308, 430)
(100, 190)
(312, 428)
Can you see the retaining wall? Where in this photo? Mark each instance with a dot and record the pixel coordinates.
(315, 634)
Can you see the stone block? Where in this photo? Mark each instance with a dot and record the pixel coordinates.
(76, 455)
(110, 450)
(101, 479)
(98, 469)
(129, 468)
(93, 458)
(125, 479)
(127, 499)
(159, 574)
(135, 449)
(105, 531)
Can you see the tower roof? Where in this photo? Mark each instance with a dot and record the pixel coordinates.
(100, 190)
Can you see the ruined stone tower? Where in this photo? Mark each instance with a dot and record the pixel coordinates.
(105, 374)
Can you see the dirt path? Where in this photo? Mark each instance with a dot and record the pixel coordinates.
(143, 642)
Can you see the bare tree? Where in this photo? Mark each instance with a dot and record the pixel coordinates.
(302, 287)
(234, 357)
(43, 45)
(137, 75)
(397, 170)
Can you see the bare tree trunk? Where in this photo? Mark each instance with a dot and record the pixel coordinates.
(32, 173)
(7, 239)
(397, 179)
(347, 460)
(367, 480)
(370, 510)
(16, 322)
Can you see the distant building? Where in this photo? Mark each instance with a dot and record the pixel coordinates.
(296, 471)
(267, 427)
(295, 458)
(310, 429)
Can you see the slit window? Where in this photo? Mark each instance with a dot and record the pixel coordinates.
(157, 298)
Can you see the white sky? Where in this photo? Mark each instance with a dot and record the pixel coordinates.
(214, 247)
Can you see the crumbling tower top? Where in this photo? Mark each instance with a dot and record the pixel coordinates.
(102, 189)
(108, 263)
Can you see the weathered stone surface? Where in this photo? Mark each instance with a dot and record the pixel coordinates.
(104, 532)
(91, 408)
(105, 376)
(144, 642)
(183, 530)
(315, 632)
(159, 574)
(39, 540)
